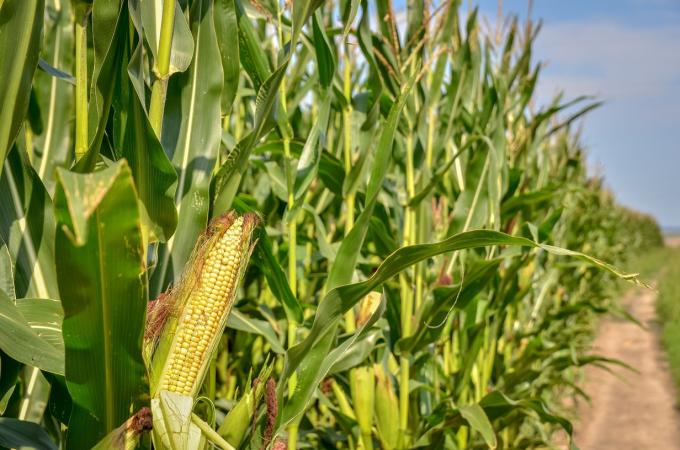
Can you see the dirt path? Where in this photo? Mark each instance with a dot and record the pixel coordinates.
(672, 240)
(629, 410)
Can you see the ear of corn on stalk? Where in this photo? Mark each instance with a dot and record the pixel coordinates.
(363, 395)
(367, 307)
(386, 409)
(362, 382)
(184, 326)
(172, 425)
(128, 435)
(236, 423)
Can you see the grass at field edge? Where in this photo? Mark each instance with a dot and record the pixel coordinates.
(668, 309)
(663, 266)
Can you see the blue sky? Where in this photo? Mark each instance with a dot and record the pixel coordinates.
(627, 53)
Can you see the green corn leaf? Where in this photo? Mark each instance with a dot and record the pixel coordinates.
(226, 27)
(252, 56)
(239, 321)
(31, 333)
(110, 19)
(230, 174)
(55, 95)
(44, 316)
(6, 272)
(154, 174)
(30, 242)
(191, 136)
(52, 70)
(445, 299)
(325, 58)
(331, 172)
(310, 157)
(19, 49)
(182, 49)
(478, 421)
(9, 374)
(497, 404)
(342, 298)
(264, 258)
(348, 253)
(319, 361)
(358, 352)
(16, 433)
(99, 243)
(228, 178)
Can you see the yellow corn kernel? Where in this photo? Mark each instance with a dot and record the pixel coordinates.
(206, 296)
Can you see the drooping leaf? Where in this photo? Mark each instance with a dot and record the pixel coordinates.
(340, 299)
(53, 71)
(496, 404)
(357, 353)
(444, 300)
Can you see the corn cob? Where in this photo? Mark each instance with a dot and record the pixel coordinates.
(194, 313)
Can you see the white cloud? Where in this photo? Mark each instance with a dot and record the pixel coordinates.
(610, 59)
(636, 70)
(633, 64)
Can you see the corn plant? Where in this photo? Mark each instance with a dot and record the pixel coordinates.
(305, 224)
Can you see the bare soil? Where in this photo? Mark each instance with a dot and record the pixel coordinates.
(629, 410)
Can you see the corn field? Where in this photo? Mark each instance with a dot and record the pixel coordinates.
(254, 224)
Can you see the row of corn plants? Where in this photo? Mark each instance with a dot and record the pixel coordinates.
(302, 224)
